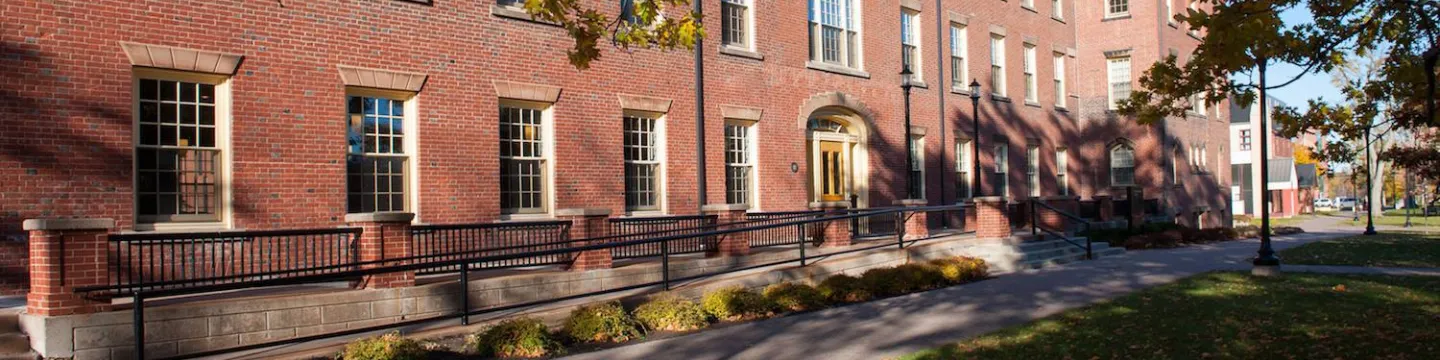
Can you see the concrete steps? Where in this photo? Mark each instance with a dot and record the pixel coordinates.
(1026, 252)
(13, 344)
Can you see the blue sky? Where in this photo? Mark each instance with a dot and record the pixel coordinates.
(1308, 87)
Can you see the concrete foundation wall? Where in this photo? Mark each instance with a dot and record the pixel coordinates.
(196, 326)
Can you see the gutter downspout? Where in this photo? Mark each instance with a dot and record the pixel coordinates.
(943, 89)
(700, 178)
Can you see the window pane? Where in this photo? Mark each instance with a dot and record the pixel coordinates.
(522, 166)
(641, 163)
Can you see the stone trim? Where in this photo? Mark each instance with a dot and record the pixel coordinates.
(174, 58)
(517, 13)
(1030, 39)
(1057, 48)
(912, 202)
(382, 79)
(836, 69)
(583, 212)
(400, 217)
(741, 112)
(830, 205)
(724, 207)
(644, 103)
(1117, 53)
(917, 130)
(744, 53)
(910, 4)
(1072, 52)
(834, 99)
(997, 30)
(525, 91)
(989, 199)
(68, 224)
(959, 18)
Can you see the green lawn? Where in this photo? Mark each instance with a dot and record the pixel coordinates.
(1397, 220)
(1233, 316)
(1391, 250)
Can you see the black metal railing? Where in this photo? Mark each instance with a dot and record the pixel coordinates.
(622, 229)
(1152, 207)
(448, 242)
(1036, 227)
(1121, 208)
(948, 219)
(152, 261)
(462, 261)
(1090, 209)
(779, 236)
(873, 224)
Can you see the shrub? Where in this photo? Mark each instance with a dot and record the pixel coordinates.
(736, 303)
(390, 346)
(1246, 232)
(920, 277)
(1155, 240)
(669, 312)
(844, 289)
(1286, 230)
(795, 297)
(523, 337)
(602, 323)
(885, 282)
(961, 269)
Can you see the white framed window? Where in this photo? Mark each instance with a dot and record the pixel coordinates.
(1062, 168)
(917, 165)
(1002, 170)
(1119, 75)
(1195, 5)
(1059, 79)
(1244, 140)
(1116, 8)
(737, 21)
(1028, 3)
(1204, 157)
(910, 41)
(1032, 169)
(963, 166)
(644, 162)
(378, 163)
(1197, 102)
(181, 148)
(1175, 165)
(959, 49)
(1122, 165)
(1057, 9)
(1169, 12)
(835, 33)
(1032, 91)
(525, 150)
(740, 182)
(997, 64)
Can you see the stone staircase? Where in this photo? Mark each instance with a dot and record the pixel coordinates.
(1022, 252)
(13, 344)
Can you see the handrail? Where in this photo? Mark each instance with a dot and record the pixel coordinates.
(1035, 225)
(374, 267)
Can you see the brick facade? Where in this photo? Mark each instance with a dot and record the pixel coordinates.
(66, 149)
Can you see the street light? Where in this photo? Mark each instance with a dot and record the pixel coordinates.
(1369, 187)
(1266, 263)
(975, 138)
(906, 84)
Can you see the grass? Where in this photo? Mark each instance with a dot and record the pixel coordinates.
(1233, 316)
(1397, 220)
(1386, 250)
(1290, 221)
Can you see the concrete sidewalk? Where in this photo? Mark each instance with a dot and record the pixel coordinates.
(897, 326)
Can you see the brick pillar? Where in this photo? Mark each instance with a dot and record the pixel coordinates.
(992, 217)
(585, 224)
(385, 235)
(66, 254)
(1136, 198)
(915, 223)
(834, 233)
(970, 219)
(732, 244)
(1106, 207)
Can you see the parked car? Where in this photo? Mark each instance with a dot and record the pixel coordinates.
(1324, 203)
(1345, 202)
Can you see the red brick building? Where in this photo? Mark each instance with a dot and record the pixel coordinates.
(214, 115)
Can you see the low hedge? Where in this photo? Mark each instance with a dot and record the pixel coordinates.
(523, 337)
(390, 346)
(789, 296)
(960, 269)
(668, 312)
(840, 289)
(606, 322)
(736, 303)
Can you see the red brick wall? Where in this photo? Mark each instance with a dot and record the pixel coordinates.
(14, 267)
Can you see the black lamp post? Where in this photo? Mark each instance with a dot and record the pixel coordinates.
(905, 84)
(975, 138)
(1266, 263)
(1369, 187)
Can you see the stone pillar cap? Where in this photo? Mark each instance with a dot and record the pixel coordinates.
(984, 199)
(387, 216)
(68, 224)
(830, 205)
(725, 207)
(583, 212)
(912, 202)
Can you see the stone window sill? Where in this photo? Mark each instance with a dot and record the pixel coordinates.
(919, 84)
(836, 69)
(516, 13)
(181, 227)
(960, 91)
(1057, 18)
(741, 52)
(1032, 104)
(1125, 16)
(1000, 98)
(514, 218)
(1030, 8)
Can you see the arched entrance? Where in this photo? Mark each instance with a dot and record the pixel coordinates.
(836, 129)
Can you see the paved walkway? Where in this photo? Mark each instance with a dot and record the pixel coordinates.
(896, 326)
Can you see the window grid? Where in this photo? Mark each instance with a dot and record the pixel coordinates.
(917, 166)
(1244, 140)
(1062, 164)
(1060, 79)
(1117, 8)
(1031, 91)
(833, 33)
(375, 165)
(1122, 165)
(963, 166)
(1032, 169)
(738, 165)
(735, 15)
(177, 171)
(522, 161)
(910, 40)
(642, 164)
(1057, 9)
(1119, 80)
(1002, 167)
(997, 65)
(958, 48)
(1028, 3)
